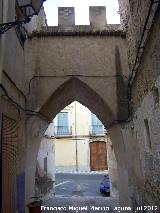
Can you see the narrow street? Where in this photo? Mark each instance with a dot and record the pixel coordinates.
(75, 184)
(75, 192)
(81, 204)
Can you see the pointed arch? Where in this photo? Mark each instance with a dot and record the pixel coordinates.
(76, 90)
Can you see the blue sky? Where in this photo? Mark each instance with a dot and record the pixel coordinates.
(81, 10)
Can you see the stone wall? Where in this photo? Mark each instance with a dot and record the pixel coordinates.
(97, 17)
(137, 12)
(148, 142)
(149, 68)
(142, 132)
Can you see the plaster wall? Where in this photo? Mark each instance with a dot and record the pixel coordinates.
(47, 150)
(45, 174)
(14, 80)
(79, 119)
(65, 155)
(64, 57)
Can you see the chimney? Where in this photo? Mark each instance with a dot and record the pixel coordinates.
(66, 17)
(97, 17)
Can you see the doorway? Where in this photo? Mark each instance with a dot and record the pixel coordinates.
(98, 156)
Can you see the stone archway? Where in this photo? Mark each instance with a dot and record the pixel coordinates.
(75, 89)
(72, 90)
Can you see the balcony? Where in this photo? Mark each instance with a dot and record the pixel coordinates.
(97, 130)
(62, 131)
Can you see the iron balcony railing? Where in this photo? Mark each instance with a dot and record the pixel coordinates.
(62, 130)
(97, 130)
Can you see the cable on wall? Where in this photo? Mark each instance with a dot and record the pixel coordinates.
(140, 51)
(18, 106)
(143, 41)
(70, 76)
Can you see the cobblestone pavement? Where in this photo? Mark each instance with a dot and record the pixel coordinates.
(79, 204)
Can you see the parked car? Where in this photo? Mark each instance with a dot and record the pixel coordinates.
(105, 186)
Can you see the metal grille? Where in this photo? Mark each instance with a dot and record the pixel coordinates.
(9, 161)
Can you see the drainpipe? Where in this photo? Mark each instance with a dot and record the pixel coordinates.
(75, 123)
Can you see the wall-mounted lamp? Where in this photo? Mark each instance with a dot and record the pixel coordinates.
(26, 9)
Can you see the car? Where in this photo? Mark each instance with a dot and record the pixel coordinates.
(105, 186)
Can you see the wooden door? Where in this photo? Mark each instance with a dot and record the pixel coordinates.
(98, 156)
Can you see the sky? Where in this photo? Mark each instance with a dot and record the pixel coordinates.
(81, 10)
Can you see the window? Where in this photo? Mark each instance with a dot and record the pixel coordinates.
(45, 164)
(97, 126)
(147, 134)
(62, 123)
(155, 95)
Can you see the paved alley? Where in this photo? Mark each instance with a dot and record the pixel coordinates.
(78, 184)
(78, 192)
(79, 204)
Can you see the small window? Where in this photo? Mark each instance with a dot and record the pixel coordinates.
(45, 164)
(62, 123)
(97, 126)
(147, 134)
(155, 95)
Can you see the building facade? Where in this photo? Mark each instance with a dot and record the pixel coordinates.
(76, 141)
(75, 130)
(111, 69)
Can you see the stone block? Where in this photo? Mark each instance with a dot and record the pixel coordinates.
(97, 16)
(66, 16)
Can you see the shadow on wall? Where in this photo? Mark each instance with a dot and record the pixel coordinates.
(122, 100)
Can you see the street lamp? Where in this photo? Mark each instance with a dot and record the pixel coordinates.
(26, 9)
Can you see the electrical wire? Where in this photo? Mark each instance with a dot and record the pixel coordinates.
(141, 47)
(140, 51)
(31, 112)
(71, 76)
(18, 106)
